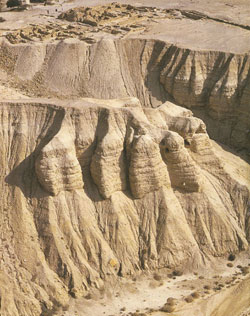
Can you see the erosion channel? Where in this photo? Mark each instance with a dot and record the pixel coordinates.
(124, 161)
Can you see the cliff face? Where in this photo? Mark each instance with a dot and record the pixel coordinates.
(95, 188)
(216, 85)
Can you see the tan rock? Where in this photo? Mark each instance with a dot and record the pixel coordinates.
(147, 171)
(57, 167)
(86, 185)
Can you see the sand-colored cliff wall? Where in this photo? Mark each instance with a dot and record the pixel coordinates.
(155, 200)
(215, 84)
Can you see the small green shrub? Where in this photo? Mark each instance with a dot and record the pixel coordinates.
(13, 3)
(231, 257)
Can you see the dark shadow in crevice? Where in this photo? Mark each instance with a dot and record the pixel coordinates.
(152, 81)
(186, 143)
(24, 176)
(102, 129)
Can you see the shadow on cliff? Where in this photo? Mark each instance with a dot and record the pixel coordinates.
(157, 92)
(24, 175)
(222, 126)
(90, 187)
(105, 120)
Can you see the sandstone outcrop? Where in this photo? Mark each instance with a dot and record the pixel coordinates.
(101, 175)
(145, 160)
(108, 165)
(214, 84)
(57, 167)
(182, 169)
(92, 189)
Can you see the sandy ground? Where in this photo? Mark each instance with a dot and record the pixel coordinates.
(201, 35)
(10, 93)
(144, 294)
(234, 163)
(196, 34)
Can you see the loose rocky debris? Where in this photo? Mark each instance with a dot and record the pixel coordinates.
(114, 13)
(196, 290)
(85, 22)
(37, 33)
(131, 297)
(117, 19)
(101, 187)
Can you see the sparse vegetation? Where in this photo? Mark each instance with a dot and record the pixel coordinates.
(189, 299)
(177, 273)
(157, 277)
(172, 301)
(245, 270)
(88, 296)
(87, 185)
(195, 295)
(167, 308)
(13, 3)
(231, 257)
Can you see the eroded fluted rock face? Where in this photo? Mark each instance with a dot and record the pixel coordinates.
(57, 167)
(108, 165)
(218, 82)
(92, 190)
(216, 85)
(147, 171)
(183, 171)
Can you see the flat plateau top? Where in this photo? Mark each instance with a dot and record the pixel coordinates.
(201, 35)
(222, 25)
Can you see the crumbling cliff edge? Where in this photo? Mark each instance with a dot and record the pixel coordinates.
(94, 189)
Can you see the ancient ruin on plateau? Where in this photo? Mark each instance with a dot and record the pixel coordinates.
(124, 158)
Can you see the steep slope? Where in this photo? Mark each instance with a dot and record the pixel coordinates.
(94, 189)
(97, 189)
(216, 85)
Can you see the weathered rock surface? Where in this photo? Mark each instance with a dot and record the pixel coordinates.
(95, 189)
(92, 189)
(214, 84)
(145, 160)
(57, 167)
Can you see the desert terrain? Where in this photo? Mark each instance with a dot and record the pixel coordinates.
(125, 158)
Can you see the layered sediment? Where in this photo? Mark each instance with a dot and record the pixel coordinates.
(102, 174)
(214, 84)
(90, 191)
